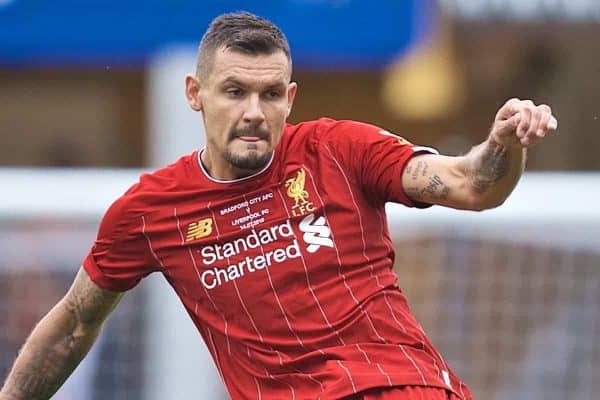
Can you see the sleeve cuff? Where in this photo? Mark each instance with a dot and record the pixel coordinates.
(105, 282)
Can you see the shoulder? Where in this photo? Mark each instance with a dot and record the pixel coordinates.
(149, 191)
(327, 130)
(325, 125)
(170, 177)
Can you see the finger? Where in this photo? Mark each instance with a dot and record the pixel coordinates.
(534, 124)
(543, 126)
(509, 108)
(507, 127)
(530, 140)
(525, 122)
(545, 108)
(552, 123)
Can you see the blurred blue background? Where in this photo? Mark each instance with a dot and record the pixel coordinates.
(323, 33)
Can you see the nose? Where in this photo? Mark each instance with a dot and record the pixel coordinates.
(253, 113)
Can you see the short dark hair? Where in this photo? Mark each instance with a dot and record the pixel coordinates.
(243, 32)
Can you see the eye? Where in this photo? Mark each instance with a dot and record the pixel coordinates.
(235, 92)
(273, 94)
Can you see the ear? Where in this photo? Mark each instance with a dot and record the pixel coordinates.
(192, 92)
(291, 92)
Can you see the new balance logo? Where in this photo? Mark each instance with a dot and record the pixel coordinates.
(316, 233)
(199, 229)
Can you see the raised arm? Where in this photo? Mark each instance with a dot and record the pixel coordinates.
(484, 177)
(60, 341)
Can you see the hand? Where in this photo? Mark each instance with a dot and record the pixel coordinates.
(522, 123)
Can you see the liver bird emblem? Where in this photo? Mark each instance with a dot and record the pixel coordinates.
(295, 188)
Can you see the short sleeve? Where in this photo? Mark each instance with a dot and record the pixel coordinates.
(375, 157)
(119, 257)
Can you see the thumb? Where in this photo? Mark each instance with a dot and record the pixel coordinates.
(509, 109)
(508, 126)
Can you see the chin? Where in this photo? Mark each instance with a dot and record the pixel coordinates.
(251, 160)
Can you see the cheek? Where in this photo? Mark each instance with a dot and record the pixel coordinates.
(218, 121)
(278, 114)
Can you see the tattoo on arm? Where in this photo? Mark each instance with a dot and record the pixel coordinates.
(60, 341)
(494, 166)
(435, 189)
(479, 180)
(88, 303)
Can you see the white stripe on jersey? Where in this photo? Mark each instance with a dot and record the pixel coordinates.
(422, 342)
(349, 376)
(308, 280)
(258, 388)
(362, 235)
(384, 373)
(413, 363)
(150, 245)
(234, 282)
(340, 261)
(362, 230)
(275, 292)
(252, 319)
(365, 354)
(182, 244)
(205, 290)
(216, 357)
(237, 290)
(254, 377)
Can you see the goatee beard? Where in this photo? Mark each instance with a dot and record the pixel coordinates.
(252, 161)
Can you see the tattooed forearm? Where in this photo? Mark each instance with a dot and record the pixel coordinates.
(44, 370)
(59, 342)
(479, 180)
(494, 164)
(46, 362)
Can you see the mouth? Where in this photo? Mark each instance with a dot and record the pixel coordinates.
(250, 135)
(251, 139)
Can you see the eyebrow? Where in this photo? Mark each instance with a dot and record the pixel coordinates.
(233, 80)
(237, 82)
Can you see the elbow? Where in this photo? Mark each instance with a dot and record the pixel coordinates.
(483, 207)
(482, 203)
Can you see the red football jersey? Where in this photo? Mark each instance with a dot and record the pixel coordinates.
(287, 273)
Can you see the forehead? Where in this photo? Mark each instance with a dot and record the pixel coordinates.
(250, 68)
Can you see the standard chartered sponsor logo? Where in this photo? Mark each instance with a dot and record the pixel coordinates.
(217, 276)
(316, 232)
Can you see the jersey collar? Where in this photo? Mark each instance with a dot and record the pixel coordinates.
(225, 181)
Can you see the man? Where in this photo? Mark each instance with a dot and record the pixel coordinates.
(274, 237)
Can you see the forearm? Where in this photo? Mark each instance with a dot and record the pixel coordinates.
(486, 176)
(493, 171)
(55, 347)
